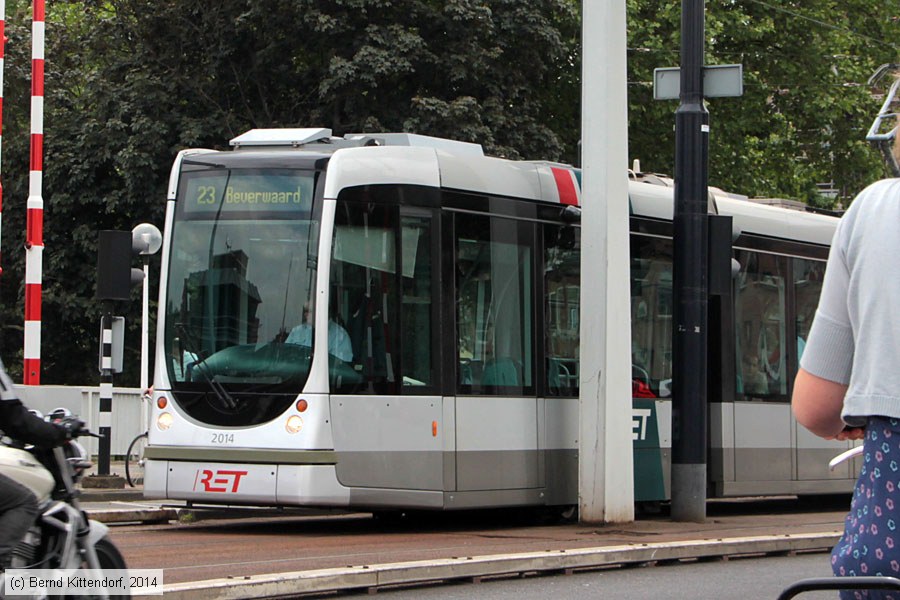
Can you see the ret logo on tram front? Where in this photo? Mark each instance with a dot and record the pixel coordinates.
(218, 481)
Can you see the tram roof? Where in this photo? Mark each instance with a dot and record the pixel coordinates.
(653, 197)
(403, 158)
(775, 221)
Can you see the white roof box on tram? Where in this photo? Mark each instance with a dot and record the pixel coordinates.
(421, 141)
(281, 137)
(320, 138)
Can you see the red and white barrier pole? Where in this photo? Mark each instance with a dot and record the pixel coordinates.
(34, 244)
(2, 53)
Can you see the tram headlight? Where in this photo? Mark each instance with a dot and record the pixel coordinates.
(164, 421)
(294, 424)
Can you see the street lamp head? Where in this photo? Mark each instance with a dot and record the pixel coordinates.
(146, 239)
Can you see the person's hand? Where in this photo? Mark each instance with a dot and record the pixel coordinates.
(71, 425)
(850, 433)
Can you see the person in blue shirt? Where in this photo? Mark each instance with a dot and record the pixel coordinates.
(338, 339)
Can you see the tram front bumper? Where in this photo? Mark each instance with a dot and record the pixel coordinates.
(243, 483)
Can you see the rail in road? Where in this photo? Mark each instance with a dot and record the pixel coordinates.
(290, 555)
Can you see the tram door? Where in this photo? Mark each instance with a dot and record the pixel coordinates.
(495, 408)
(385, 399)
(762, 418)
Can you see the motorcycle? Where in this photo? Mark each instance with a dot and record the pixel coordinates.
(62, 536)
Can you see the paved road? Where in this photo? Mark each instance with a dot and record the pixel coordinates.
(241, 547)
(744, 579)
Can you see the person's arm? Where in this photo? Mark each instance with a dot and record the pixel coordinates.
(817, 404)
(825, 367)
(17, 422)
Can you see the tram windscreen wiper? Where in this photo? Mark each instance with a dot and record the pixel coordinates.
(200, 163)
(221, 393)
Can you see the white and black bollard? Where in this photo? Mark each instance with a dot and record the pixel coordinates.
(106, 392)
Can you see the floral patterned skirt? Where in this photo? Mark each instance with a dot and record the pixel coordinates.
(870, 545)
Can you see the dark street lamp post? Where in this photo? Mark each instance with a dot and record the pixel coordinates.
(690, 276)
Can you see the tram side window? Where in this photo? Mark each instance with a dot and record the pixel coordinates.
(561, 308)
(808, 278)
(364, 298)
(418, 369)
(495, 307)
(651, 316)
(760, 319)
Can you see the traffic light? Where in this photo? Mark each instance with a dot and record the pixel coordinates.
(115, 276)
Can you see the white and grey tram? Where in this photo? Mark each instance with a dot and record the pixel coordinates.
(391, 321)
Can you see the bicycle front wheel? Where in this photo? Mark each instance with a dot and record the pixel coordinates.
(134, 460)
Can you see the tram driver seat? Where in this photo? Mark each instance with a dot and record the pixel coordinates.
(501, 372)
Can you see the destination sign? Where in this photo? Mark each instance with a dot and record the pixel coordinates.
(277, 191)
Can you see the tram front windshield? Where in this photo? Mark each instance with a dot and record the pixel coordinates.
(240, 289)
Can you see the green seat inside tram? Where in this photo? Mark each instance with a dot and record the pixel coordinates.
(501, 371)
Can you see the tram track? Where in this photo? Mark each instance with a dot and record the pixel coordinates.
(474, 569)
(251, 551)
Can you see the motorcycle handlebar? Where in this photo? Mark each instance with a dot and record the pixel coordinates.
(61, 415)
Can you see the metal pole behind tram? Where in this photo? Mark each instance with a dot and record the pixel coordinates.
(691, 83)
(690, 276)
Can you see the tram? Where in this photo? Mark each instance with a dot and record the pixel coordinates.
(391, 321)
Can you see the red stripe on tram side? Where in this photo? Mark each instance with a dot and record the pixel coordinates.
(566, 187)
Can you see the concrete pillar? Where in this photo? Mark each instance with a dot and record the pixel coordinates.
(605, 479)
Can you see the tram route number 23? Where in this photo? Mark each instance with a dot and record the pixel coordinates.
(219, 480)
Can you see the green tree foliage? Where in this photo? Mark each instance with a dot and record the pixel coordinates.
(806, 107)
(131, 82)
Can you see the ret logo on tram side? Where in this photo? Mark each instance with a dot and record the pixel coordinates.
(649, 484)
(218, 481)
(639, 418)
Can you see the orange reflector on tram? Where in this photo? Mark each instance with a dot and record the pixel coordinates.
(302, 405)
(162, 402)
(434, 428)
